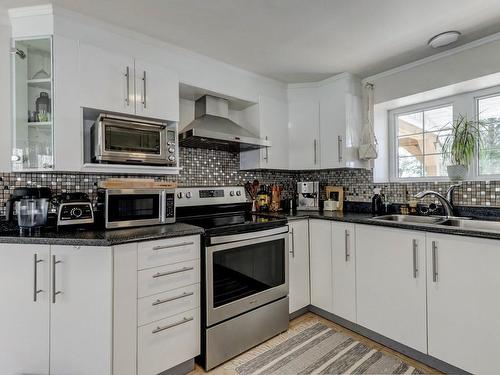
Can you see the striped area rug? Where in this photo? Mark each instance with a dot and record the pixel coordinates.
(321, 350)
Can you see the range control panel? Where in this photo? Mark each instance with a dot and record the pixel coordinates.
(209, 195)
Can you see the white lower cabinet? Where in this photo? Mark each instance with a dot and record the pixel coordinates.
(298, 265)
(168, 342)
(391, 284)
(320, 232)
(81, 310)
(24, 321)
(70, 320)
(463, 282)
(75, 310)
(344, 270)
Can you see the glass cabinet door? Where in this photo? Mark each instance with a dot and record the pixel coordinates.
(32, 147)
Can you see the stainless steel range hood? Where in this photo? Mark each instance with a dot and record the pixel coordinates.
(213, 129)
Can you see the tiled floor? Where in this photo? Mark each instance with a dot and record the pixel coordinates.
(228, 368)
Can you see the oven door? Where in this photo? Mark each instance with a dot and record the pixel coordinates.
(248, 272)
(135, 207)
(132, 142)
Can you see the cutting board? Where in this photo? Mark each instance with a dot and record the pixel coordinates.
(135, 183)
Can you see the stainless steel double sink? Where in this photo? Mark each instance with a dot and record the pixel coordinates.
(443, 221)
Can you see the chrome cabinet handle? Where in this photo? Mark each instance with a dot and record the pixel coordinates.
(315, 149)
(434, 262)
(266, 158)
(161, 274)
(292, 250)
(127, 78)
(160, 301)
(183, 321)
(35, 276)
(415, 258)
(163, 247)
(339, 140)
(54, 292)
(144, 88)
(347, 246)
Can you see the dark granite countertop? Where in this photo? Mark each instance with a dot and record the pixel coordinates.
(100, 237)
(366, 218)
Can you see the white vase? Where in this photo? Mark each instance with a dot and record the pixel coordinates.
(457, 172)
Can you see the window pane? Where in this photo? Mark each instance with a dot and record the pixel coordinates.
(489, 154)
(489, 161)
(410, 167)
(437, 119)
(435, 165)
(410, 124)
(434, 142)
(411, 145)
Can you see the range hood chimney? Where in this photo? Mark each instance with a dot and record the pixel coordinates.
(213, 129)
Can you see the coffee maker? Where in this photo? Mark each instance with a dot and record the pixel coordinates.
(308, 193)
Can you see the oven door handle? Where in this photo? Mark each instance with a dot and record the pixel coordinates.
(247, 236)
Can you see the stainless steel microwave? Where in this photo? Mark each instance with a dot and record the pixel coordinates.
(137, 207)
(126, 140)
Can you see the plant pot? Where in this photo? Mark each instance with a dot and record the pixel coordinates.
(457, 172)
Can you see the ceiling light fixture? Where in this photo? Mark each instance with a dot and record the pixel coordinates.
(443, 39)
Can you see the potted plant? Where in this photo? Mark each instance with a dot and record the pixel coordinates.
(461, 145)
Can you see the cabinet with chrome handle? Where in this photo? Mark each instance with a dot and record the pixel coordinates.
(292, 242)
(415, 258)
(340, 151)
(36, 291)
(435, 273)
(347, 240)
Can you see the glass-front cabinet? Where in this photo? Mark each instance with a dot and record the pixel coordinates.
(32, 113)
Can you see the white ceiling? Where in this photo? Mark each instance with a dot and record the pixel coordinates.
(298, 40)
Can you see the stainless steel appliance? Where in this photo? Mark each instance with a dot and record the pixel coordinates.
(74, 209)
(213, 129)
(308, 193)
(244, 272)
(122, 208)
(117, 139)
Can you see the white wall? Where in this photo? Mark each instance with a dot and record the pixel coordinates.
(474, 66)
(465, 63)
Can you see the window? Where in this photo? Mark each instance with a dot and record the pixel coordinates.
(488, 110)
(420, 136)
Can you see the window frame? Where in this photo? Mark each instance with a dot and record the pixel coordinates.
(483, 94)
(393, 136)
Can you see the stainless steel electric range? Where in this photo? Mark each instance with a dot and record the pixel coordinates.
(244, 272)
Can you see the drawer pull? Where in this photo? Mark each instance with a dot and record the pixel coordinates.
(161, 274)
(160, 301)
(159, 329)
(174, 245)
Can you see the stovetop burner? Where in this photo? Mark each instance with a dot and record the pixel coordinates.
(221, 211)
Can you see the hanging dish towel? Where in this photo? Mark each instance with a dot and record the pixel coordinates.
(368, 148)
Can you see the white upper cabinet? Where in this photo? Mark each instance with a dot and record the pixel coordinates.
(106, 80)
(304, 137)
(463, 305)
(325, 121)
(119, 83)
(156, 91)
(272, 125)
(391, 284)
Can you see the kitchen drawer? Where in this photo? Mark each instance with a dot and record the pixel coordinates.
(167, 251)
(163, 305)
(165, 278)
(166, 343)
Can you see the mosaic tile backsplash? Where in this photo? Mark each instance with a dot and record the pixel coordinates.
(219, 168)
